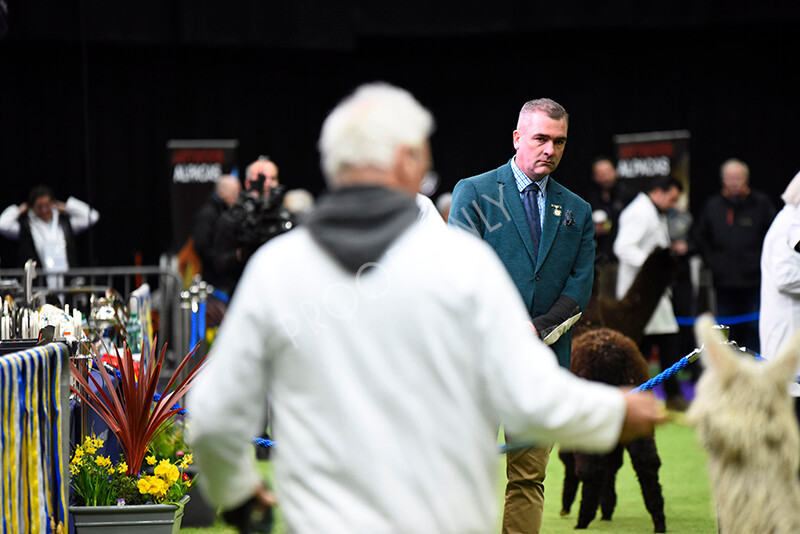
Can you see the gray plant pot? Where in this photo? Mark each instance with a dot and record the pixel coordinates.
(150, 518)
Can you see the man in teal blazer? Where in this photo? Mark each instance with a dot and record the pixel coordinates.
(554, 279)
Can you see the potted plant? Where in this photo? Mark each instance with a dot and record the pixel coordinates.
(137, 416)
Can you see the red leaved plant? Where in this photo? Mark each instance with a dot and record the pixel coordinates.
(130, 410)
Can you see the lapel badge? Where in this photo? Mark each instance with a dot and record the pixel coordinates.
(556, 210)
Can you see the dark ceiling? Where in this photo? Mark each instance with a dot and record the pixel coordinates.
(92, 90)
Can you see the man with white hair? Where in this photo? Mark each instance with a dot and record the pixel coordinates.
(780, 280)
(391, 351)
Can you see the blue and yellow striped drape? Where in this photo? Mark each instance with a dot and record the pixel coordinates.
(35, 480)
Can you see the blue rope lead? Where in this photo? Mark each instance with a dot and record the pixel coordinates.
(650, 384)
(669, 373)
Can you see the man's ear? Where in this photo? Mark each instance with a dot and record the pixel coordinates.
(408, 168)
(402, 164)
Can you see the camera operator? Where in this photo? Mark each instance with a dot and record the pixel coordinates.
(257, 216)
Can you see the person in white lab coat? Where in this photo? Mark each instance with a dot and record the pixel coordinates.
(780, 280)
(642, 228)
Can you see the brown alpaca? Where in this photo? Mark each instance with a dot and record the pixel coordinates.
(745, 419)
(607, 356)
(613, 357)
(630, 315)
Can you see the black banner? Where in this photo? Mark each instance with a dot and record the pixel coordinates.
(194, 167)
(644, 156)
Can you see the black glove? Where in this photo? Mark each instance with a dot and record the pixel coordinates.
(250, 518)
(560, 318)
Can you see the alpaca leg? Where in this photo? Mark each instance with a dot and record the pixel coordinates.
(591, 470)
(570, 481)
(645, 461)
(608, 500)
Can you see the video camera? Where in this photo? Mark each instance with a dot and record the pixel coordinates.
(259, 219)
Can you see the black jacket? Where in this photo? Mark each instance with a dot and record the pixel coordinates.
(205, 228)
(27, 249)
(730, 233)
(620, 196)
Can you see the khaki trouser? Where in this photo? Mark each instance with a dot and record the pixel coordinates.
(524, 504)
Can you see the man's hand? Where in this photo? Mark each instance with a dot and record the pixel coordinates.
(60, 206)
(265, 498)
(23, 208)
(679, 247)
(642, 414)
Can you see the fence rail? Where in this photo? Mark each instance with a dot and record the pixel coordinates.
(166, 287)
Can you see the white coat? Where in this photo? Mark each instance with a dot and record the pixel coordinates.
(387, 387)
(780, 287)
(643, 228)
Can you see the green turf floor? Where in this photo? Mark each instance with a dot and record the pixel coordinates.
(684, 479)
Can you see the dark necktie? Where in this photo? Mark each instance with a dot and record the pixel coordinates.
(532, 211)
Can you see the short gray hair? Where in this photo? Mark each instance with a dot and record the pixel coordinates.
(368, 127)
(549, 107)
(734, 161)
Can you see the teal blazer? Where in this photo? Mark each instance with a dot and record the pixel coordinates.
(489, 206)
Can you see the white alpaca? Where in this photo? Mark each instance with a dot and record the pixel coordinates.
(745, 419)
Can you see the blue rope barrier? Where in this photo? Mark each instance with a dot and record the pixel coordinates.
(730, 320)
(220, 295)
(193, 334)
(759, 357)
(181, 410)
(650, 384)
(266, 443)
(201, 322)
(156, 397)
